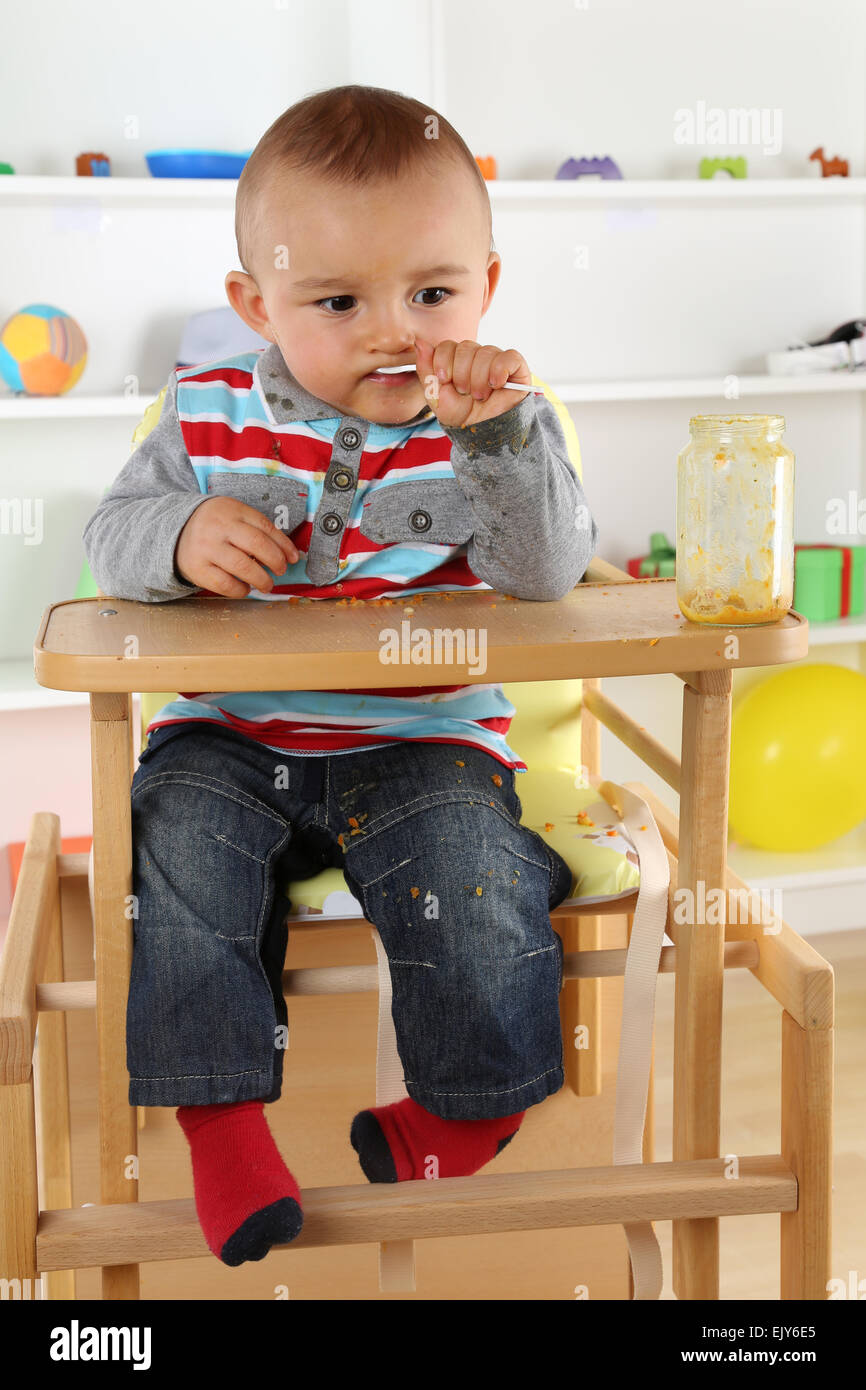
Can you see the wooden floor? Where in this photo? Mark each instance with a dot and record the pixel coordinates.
(311, 1125)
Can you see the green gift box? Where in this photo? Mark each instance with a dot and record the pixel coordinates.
(661, 563)
(829, 581)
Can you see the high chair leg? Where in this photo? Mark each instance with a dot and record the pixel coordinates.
(52, 1078)
(32, 930)
(580, 1009)
(141, 1110)
(702, 865)
(19, 1196)
(807, 1148)
(111, 752)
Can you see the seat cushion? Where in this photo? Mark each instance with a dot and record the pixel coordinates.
(602, 858)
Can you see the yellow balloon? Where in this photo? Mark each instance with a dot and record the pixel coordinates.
(798, 758)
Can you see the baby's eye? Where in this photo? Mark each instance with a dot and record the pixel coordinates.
(435, 290)
(335, 299)
(347, 299)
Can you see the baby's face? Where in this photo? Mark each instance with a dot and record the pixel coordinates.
(401, 258)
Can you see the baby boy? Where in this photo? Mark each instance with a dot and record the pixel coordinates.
(309, 472)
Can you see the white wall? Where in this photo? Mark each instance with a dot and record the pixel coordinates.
(527, 82)
(125, 78)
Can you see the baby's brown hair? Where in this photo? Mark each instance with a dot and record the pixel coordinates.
(346, 135)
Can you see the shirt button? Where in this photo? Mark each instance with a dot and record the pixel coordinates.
(342, 479)
(332, 523)
(420, 521)
(350, 438)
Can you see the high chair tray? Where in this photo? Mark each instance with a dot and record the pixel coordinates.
(626, 628)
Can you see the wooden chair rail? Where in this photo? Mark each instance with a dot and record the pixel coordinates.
(133, 1233)
(600, 571)
(70, 995)
(35, 910)
(788, 967)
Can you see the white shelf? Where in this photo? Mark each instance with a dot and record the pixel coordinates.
(721, 189)
(45, 188)
(584, 393)
(686, 388)
(74, 407)
(19, 690)
(842, 861)
(36, 188)
(838, 630)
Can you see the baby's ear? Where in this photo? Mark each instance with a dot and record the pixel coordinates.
(245, 298)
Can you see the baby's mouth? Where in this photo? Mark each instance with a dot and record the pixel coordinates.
(393, 376)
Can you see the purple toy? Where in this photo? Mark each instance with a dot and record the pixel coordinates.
(578, 168)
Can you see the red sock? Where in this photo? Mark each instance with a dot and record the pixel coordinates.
(245, 1196)
(402, 1141)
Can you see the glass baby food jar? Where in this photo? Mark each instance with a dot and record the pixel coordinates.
(735, 521)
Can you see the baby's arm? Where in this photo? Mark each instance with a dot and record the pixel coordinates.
(130, 539)
(535, 534)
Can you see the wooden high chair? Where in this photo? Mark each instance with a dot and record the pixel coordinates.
(609, 625)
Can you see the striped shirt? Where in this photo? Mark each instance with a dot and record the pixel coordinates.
(377, 513)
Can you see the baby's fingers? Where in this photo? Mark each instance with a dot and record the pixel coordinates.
(507, 364)
(270, 545)
(423, 357)
(424, 368)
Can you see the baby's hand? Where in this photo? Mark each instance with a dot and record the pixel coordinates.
(225, 545)
(463, 381)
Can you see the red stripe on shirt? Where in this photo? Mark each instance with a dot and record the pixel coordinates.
(206, 438)
(347, 740)
(354, 541)
(227, 376)
(452, 572)
(258, 728)
(402, 692)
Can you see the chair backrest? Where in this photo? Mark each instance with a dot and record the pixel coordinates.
(540, 705)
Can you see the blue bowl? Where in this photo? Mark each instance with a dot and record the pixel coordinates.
(195, 164)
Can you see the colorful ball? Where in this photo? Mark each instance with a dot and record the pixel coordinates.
(43, 351)
(798, 758)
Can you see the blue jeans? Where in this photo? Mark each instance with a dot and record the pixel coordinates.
(458, 889)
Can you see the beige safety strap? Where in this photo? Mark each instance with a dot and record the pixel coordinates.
(638, 1013)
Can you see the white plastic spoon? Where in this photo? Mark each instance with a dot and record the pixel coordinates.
(507, 386)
